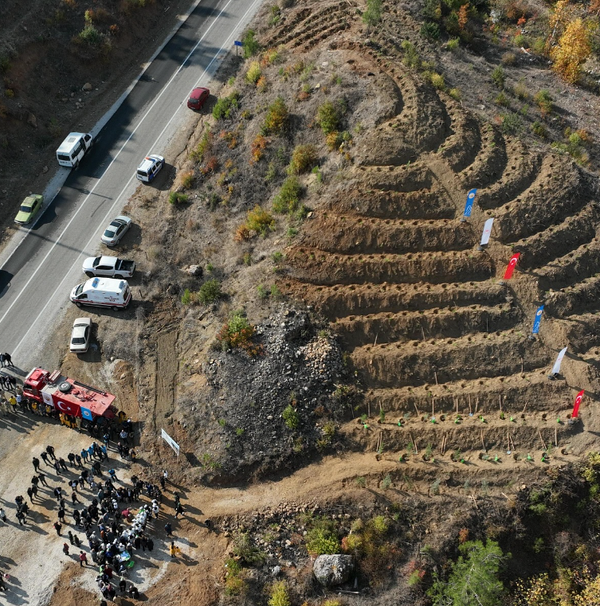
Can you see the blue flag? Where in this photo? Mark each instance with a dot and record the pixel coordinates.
(469, 204)
(86, 414)
(538, 320)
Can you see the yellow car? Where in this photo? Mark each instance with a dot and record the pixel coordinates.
(30, 207)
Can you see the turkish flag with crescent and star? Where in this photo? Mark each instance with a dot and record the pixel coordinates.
(577, 403)
(511, 266)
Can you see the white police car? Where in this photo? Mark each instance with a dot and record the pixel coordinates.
(149, 168)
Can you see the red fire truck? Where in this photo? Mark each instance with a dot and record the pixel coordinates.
(68, 396)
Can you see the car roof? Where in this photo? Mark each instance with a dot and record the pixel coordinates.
(198, 92)
(149, 161)
(82, 322)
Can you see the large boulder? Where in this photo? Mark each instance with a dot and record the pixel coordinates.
(331, 570)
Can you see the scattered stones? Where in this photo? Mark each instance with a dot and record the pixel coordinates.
(87, 87)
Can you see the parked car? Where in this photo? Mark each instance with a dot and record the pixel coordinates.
(81, 334)
(198, 98)
(111, 267)
(116, 230)
(29, 208)
(149, 168)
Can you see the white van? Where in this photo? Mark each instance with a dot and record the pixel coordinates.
(73, 148)
(102, 292)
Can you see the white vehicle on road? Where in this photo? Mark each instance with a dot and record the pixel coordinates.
(116, 230)
(149, 168)
(102, 292)
(81, 334)
(110, 267)
(73, 148)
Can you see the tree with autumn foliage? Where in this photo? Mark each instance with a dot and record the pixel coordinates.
(573, 48)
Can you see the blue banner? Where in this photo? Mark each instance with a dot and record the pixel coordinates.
(86, 414)
(469, 204)
(538, 320)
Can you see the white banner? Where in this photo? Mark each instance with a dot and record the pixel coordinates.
(487, 232)
(559, 359)
(170, 441)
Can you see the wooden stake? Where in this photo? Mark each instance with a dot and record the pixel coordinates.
(414, 443)
(524, 407)
(433, 407)
(415, 405)
(436, 379)
(542, 439)
(556, 437)
(422, 332)
(476, 405)
(500, 402)
(456, 403)
(470, 410)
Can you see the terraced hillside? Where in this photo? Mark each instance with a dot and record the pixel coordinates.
(441, 347)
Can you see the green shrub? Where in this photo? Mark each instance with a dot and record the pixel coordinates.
(225, 105)
(509, 58)
(322, 540)
(411, 56)
(262, 291)
(511, 123)
(275, 15)
(91, 36)
(250, 44)
(238, 333)
(254, 72)
(453, 44)
(501, 99)
(177, 197)
(304, 158)
(544, 102)
(430, 30)
(438, 81)
(260, 221)
(187, 297)
(455, 93)
(372, 15)
(275, 292)
(288, 198)
(498, 77)
(245, 550)
(279, 594)
(539, 129)
(277, 117)
(329, 118)
(210, 292)
(291, 418)
(202, 147)
(187, 179)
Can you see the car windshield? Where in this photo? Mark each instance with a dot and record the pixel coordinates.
(97, 259)
(25, 208)
(78, 341)
(78, 290)
(142, 173)
(110, 232)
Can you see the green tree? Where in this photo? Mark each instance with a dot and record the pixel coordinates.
(372, 15)
(473, 580)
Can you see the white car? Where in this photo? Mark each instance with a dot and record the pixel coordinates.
(149, 168)
(116, 230)
(80, 336)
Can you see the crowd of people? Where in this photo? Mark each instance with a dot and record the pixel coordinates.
(110, 515)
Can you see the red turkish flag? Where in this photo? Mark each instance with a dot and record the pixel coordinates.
(577, 403)
(511, 266)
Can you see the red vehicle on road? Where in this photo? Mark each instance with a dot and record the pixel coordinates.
(68, 396)
(198, 98)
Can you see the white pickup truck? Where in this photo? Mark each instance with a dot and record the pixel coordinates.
(110, 267)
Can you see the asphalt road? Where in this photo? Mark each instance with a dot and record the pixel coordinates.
(37, 278)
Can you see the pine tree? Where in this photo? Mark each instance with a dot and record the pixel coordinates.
(473, 580)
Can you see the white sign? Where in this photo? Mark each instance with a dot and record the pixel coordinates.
(487, 231)
(559, 359)
(170, 441)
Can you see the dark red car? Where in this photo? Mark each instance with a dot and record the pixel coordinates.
(198, 98)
